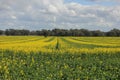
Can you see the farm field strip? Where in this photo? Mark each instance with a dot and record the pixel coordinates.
(64, 44)
(27, 40)
(74, 47)
(99, 39)
(75, 44)
(94, 43)
(36, 45)
(15, 38)
(21, 41)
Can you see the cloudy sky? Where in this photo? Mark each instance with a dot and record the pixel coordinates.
(49, 14)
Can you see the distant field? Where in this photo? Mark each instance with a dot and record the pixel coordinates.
(50, 44)
(59, 58)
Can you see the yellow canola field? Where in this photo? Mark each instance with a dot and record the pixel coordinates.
(31, 44)
(73, 46)
(60, 44)
(95, 42)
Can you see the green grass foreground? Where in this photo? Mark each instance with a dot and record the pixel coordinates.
(66, 66)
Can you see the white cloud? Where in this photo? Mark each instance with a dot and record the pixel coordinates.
(13, 17)
(52, 9)
(35, 14)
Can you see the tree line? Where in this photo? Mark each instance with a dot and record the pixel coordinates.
(60, 32)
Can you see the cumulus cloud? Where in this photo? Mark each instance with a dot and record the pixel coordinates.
(38, 14)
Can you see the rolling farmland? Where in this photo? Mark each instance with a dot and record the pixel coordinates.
(59, 58)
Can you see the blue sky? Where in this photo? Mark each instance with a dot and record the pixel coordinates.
(81, 2)
(66, 14)
(88, 2)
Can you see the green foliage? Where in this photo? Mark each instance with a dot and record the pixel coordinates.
(47, 66)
